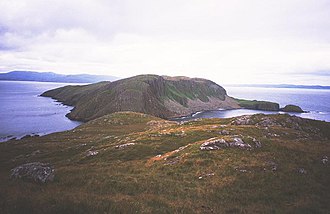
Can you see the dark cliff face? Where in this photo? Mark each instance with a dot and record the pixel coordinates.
(143, 93)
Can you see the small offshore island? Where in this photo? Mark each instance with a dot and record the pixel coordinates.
(128, 157)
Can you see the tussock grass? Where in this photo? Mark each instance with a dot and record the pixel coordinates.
(187, 181)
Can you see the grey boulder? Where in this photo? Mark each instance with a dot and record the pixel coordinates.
(35, 171)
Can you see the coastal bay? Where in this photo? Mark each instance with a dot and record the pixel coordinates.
(24, 112)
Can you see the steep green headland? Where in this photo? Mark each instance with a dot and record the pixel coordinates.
(161, 96)
(135, 163)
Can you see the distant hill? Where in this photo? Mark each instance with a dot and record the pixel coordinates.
(279, 86)
(53, 77)
(160, 96)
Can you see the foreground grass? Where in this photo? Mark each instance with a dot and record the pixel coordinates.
(132, 180)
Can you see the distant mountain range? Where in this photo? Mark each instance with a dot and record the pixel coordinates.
(53, 77)
(279, 86)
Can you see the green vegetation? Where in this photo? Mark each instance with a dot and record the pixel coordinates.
(258, 105)
(182, 90)
(267, 106)
(292, 108)
(154, 176)
(163, 97)
(186, 89)
(173, 94)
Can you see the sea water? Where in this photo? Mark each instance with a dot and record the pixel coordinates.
(24, 112)
(316, 102)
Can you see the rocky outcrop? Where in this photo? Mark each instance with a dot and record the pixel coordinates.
(239, 143)
(257, 143)
(215, 144)
(243, 120)
(160, 96)
(91, 153)
(36, 171)
(292, 108)
(205, 175)
(263, 120)
(224, 132)
(302, 171)
(122, 146)
(325, 159)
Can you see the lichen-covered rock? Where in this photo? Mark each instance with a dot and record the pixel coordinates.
(262, 120)
(92, 153)
(224, 132)
(239, 143)
(205, 175)
(122, 146)
(272, 165)
(172, 161)
(257, 143)
(325, 159)
(267, 121)
(242, 120)
(302, 171)
(36, 171)
(293, 122)
(214, 144)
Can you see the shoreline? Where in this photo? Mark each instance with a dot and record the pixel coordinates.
(304, 114)
(192, 116)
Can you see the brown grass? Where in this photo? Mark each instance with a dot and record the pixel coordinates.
(135, 180)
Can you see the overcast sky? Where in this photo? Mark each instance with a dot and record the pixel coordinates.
(228, 41)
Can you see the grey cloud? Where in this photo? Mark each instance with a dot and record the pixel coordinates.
(188, 19)
(28, 19)
(325, 73)
(211, 35)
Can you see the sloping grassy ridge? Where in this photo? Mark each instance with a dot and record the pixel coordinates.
(163, 170)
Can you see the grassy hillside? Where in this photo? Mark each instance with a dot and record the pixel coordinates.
(163, 170)
(163, 97)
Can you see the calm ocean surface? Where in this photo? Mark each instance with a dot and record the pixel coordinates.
(23, 111)
(315, 101)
